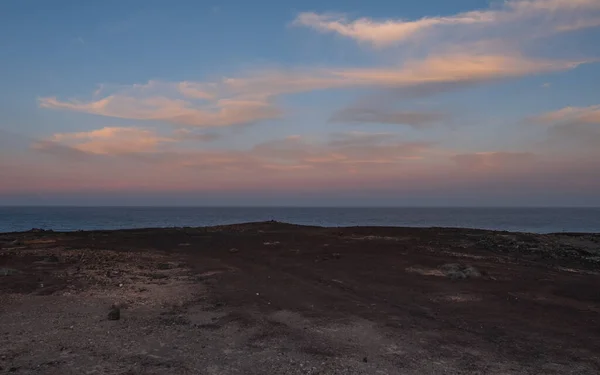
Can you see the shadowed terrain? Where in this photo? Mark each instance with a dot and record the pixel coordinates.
(272, 298)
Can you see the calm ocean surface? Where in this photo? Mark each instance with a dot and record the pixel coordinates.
(540, 220)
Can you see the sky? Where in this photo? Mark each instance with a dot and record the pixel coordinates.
(300, 103)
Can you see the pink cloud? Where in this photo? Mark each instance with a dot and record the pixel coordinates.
(554, 15)
(581, 115)
(251, 99)
(486, 161)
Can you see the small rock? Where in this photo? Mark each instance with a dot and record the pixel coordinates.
(13, 369)
(233, 251)
(456, 275)
(471, 272)
(52, 259)
(451, 267)
(114, 313)
(457, 271)
(337, 255)
(365, 360)
(8, 271)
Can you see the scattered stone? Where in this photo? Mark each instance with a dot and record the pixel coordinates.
(163, 266)
(337, 255)
(114, 313)
(471, 272)
(184, 244)
(457, 271)
(456, 275)
(8, 272)
(365, 360)
(52, 259)
(233, 251)
(13, 369)
(451, 267)
(271, 243)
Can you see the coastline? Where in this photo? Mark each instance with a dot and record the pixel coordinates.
(534, 220)
(270, 298)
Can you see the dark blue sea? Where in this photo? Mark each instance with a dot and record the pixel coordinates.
(537, 220)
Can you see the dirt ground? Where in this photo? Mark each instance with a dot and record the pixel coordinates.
(273, 298)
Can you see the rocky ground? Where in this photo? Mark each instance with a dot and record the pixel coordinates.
(273, 298)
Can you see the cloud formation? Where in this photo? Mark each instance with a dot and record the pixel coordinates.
(383, 116)
(413, 59)
(344, 150)
(458, 50)
(556, 15)
(249, 99)
(571, 115)
(115, 141)
(573, 126)
(485, 161)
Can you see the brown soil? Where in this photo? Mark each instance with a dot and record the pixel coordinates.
(273, 298)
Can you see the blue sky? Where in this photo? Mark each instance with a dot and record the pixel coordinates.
(384, 102)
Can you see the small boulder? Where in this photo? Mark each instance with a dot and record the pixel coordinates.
(51, 259)
(234, 250)
(471, 272)
(451, 267)
(457, 271)
(114, 313)
(8, 271)
(456, 275)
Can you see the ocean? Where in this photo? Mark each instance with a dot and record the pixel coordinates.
(535, 220)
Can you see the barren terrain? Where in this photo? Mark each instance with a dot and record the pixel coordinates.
(273, 298)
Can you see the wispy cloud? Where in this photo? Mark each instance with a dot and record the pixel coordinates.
(494, 160)
(345, 150)
(554, 15)
(252, 98)
(384, 116)
(460, 50)
(572, 115)
(116, 141)
(574, 127)
(107, 141)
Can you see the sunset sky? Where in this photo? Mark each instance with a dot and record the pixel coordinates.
(343, 102)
